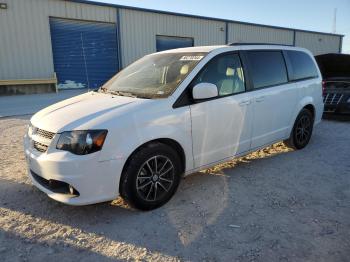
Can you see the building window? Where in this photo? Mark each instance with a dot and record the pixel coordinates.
(172, 42)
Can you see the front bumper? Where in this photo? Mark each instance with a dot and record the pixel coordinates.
(94, 180)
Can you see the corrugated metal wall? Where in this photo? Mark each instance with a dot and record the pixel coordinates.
(258, 34)
(317, 43)
(25, 43)
(139, 30)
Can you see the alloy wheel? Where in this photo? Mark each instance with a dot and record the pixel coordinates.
(303, 129)
(155, 178)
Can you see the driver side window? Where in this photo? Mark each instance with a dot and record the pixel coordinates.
(224, 71)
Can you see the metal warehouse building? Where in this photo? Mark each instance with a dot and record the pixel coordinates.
(45, 44)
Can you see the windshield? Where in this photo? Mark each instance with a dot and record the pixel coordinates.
(153, 76)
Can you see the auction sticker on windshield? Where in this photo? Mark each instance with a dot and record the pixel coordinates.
(191, 58)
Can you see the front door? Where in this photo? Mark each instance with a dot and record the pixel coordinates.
(221, 127)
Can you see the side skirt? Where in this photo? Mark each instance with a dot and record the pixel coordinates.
(231, 157)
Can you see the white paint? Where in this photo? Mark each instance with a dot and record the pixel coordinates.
(204, 91)
(209, 132)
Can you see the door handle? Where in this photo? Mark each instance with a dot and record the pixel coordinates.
(260, 99)
(244, 102)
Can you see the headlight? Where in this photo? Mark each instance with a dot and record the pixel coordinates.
(348, 100)
(82, 142)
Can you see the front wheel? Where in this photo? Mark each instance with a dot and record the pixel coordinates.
(151, 176)
(302, 130)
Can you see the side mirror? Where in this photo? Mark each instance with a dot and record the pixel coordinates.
(204, 91)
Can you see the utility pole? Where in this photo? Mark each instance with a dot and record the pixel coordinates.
(335, 21)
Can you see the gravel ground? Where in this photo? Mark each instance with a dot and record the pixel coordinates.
(272, 205)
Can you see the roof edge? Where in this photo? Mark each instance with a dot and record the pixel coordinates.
(196, 16)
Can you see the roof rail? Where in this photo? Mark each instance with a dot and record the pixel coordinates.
(238, 43)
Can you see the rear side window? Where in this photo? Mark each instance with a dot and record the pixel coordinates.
(302, 65)
(267, 68)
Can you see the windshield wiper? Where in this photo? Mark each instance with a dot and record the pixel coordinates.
(121, 93)
(103, 89)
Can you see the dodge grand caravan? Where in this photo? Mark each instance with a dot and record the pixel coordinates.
(170, 114)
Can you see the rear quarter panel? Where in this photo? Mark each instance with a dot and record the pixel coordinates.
(309, 93)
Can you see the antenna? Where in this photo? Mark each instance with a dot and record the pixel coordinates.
(334, 21)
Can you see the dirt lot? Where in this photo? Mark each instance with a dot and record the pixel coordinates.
(273, 205)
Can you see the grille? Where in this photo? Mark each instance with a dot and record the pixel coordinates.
(332, 98)
(43, 133)
(40, 147)
(41, 139)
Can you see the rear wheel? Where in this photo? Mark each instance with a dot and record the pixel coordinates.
(151, 176)
(302, 130)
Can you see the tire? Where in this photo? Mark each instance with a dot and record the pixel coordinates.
(151, 176)
(302, 130)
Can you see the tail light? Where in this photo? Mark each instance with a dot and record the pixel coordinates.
(323, 88)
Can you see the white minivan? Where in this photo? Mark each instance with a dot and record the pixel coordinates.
(170, 114)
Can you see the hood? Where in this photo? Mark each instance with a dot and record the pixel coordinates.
(83, 111)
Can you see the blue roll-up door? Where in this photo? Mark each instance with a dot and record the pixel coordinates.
(84, 53)
(171, 42)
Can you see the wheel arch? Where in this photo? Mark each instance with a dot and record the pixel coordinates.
(311, 108)
(308, 103)
(166, 141)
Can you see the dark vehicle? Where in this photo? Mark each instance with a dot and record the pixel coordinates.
(335, 69)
